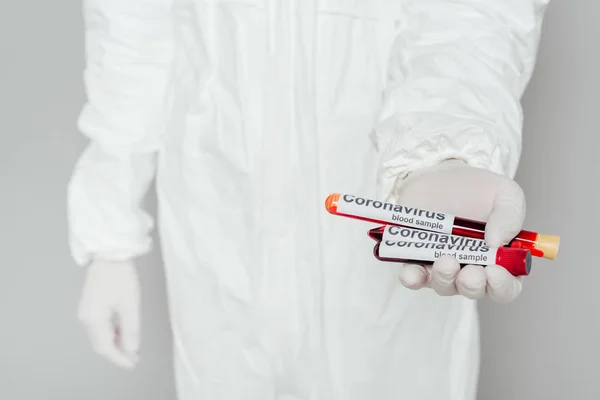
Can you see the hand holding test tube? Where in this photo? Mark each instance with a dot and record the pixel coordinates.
(453, 199)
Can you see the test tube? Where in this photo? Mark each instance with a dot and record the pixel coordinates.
(352, 206)
(515, 261)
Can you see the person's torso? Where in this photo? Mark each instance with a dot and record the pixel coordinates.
(273, 103)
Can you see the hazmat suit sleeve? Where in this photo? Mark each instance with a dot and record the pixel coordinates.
(457, 71)
(128, 57)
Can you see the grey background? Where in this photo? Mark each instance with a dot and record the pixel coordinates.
(543, 346)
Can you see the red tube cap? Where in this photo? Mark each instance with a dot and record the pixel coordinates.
(515, 261)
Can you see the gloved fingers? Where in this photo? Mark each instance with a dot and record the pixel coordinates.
(129, 327)
(507, 215)
(414, 276)
(502, 286)
(443, 275)
(471, 282)
(108, 349)
(101, 333)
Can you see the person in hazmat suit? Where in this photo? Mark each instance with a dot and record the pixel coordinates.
(246, 114)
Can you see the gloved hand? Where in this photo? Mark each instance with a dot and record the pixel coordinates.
(456, 188)
(110, 310)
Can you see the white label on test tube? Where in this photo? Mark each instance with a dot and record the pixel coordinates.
(395, 214)
(398, 233)
(429, 251)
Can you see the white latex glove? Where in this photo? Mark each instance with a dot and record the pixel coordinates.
(110, 311)
(456, 188)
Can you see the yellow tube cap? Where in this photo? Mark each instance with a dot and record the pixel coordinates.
(549, 244)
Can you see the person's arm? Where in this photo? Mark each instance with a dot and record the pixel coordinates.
(456, 76)
(129, 51)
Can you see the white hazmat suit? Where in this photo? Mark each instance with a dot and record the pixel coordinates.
(249, 113)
